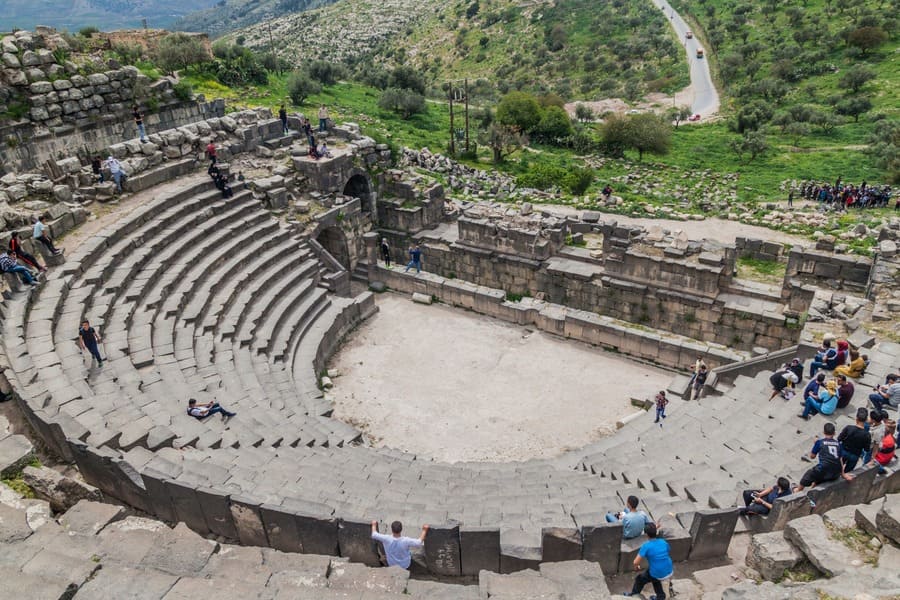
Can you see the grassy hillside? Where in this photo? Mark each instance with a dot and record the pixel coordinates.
(576, 48)
(581, 49)
(105, 14)
(227, 15)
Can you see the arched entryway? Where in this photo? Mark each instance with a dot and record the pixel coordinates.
(335, 242)
(358, 186)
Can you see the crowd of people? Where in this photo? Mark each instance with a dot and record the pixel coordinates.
(870, 440)
(844, 196)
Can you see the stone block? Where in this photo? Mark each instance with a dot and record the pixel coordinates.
(711, 532)
(602, 544)
(187, 506)
(281, 528)
(217, 512)
(420, 298)
(247, 521)
(89, 518)
(479, 550)
(13, 525)
(577, 579)
(771, 555)
(15, 452)
(355, 542)
(888, 518)
(628, 550)
(560, 544)
(61, 492)
(519, 550)
(442, 550)
(811, 537)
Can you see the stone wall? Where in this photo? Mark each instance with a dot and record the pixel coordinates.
(533, 243)
(587, 286)
(758, 249)
(828, 269)
(403, 206)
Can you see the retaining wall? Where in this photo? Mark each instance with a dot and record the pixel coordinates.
(828, 269)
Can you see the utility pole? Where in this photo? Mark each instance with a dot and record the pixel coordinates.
(452, 130)
(467, 114)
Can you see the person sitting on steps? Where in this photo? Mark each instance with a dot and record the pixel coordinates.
(201, 411)
(826, 403)
(857, 366)
(42, 234)
(8, 264)
(781, 380)
(887, 394)
(16, 246)
(812, 388)
(855, 440)
(826, 358)
(633, 520)
(760, 502)
(830, 466)
(845, 391)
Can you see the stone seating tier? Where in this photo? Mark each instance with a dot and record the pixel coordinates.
(202, 297)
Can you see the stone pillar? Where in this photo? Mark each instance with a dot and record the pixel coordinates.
(711, 532)
(442, 554)
(371, 241)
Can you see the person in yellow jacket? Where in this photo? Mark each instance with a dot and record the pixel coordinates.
(856, 367)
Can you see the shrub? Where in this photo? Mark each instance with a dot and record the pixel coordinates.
(301, 86)
(183, 91)
(180, 51)
(519, 110)
(88, 31)
(325, 72)
(404, 102)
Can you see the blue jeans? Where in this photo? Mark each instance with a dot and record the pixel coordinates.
(216, 409)
(95, 352)
(24, 273)
(323, 124)
(811, 405)
(878, 401)
(141, 131)
(416, 264)
(815, 366)
(660, 414)
(284, 126)
(117, 177)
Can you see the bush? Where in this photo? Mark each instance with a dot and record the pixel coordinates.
(128, 54)
(519, 110)
(577, 181)
(404, 102)
(554, 125)
(407, 78)
(325, 72)
(301, 86)
(183, 91)
(88, 31)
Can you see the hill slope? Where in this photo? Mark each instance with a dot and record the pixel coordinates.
(576, 48)
(105, 14)
(228, 15)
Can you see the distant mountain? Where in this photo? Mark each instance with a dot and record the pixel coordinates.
(104, 14)
(228, 15)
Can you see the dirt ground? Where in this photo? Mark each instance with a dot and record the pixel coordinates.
(457, 386)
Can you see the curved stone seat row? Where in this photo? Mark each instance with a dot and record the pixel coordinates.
(212, 299)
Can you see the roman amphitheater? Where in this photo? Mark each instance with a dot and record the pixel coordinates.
(499, 396)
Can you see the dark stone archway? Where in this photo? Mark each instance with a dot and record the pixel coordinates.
(335, 242)
(358, 186)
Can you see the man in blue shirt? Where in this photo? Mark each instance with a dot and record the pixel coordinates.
(659, 564)
(41, 234)
(415, 258)
(831, 466)
(633, 520)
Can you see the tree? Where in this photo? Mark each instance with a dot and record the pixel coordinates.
(752, 144)
(407, 78)
(797, 130)
(752, 116)
(615, 135)
(853, 107)
(867, 38)
(554, 125)
(502, 140)
(325, 72)
(827, 122)
(649, 132)
(884, 148)
(301, 86)
(520, 111)
(404, 102)
(584, 113)
(679, 114)
(857, 77)
(180, 51)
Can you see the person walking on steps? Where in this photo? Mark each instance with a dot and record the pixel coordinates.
(117, 172)
(16, 246)
(42, 235)
(396, 547)
(201, 411)
(8, 264)
(139, 121)
(88, 338)
(211, 153)
(661, 402)
(282, 114)
(655, 552)
(415, 259)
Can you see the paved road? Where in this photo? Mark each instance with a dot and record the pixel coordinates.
(705, 100)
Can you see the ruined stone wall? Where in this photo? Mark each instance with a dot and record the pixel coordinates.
(402, 206)
(677, 310)
(663, 272)
(488, 234)
(828, 269)
(758, 249)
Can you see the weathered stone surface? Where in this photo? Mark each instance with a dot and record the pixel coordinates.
(888, 518)
(351, 576)
(13, 525)
(577, 579)
(62, 492)
(771, 554)
(89, 518)
(524, 585)
(811, 537)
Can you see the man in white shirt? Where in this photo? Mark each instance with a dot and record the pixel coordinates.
(41, 234)
(116, 170)
(396, 547)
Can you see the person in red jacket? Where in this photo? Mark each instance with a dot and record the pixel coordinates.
(15, 246)
(211, 153)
